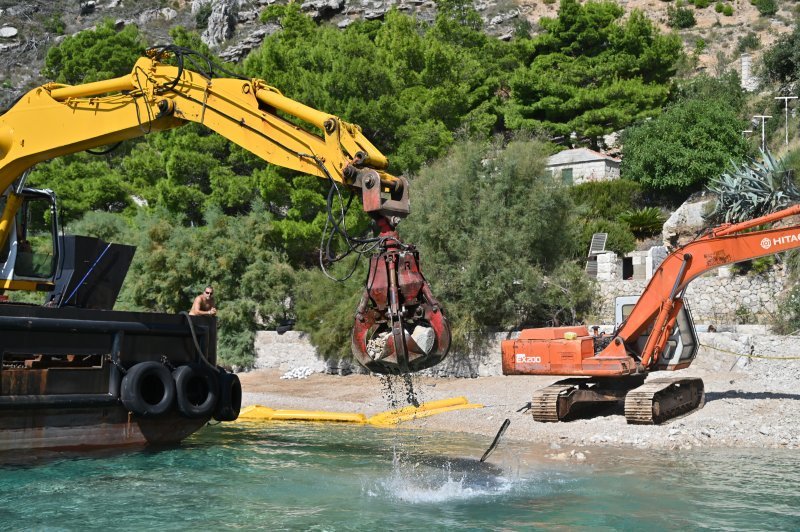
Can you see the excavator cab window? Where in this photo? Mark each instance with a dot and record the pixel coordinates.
(682, 345)
(36, 238)
(30, 251)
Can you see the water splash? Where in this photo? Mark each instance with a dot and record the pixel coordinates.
(437, 479)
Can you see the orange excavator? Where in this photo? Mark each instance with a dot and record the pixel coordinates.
(657, 334)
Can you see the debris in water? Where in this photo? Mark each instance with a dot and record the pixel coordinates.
(390, 390)
(411, 395)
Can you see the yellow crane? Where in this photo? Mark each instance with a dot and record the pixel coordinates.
(399, 326)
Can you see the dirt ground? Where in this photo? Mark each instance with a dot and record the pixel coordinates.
(749, 403)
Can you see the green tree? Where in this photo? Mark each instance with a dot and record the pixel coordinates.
(325, 310)
(83, 183)
(781, 62)
(495, 233)
(253, 280)
(591, 72)
(688, 144)
(408, 85)
(93, 55)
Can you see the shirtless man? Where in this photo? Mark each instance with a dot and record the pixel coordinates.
(204, 304)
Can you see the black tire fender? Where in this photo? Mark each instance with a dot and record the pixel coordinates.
(148, 390)
(230, 397)
(196, 390)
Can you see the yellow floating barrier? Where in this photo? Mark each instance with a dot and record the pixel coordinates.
(255, 413)
(390, 418)
(262, 413)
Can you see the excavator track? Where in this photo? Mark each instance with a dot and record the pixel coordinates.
(661, 400)
(544, 405)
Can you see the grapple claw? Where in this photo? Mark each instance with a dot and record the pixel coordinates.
(400, 326)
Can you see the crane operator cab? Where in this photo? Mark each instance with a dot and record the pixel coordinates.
(29, 255)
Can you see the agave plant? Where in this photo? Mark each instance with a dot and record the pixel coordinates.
(752, 190)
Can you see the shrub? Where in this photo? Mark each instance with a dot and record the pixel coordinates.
(749, 42)
(643, 222)
(765, 8)
(607, 199)
(680, 18)
(620, 238)
(699, 46)
(787, 319)
(744, 315)
(55, 24)
(755, 266)
(701, 4)
(727, 10)
(202, 16)
(718, 7)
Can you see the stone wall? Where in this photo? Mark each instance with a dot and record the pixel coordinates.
(286, 351)
(720, 298)
(609, 265)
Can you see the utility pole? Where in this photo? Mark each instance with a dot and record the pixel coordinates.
(786, 113)
(763, 140)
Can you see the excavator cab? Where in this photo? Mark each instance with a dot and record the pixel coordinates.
(29, 255)
(681, 347)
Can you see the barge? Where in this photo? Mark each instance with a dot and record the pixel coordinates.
(75, 374)
(82, 378)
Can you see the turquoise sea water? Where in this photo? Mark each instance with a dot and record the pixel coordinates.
(336, 477)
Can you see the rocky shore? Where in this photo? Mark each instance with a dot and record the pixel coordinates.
(750, 402)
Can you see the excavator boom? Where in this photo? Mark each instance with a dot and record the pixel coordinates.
(54, 120)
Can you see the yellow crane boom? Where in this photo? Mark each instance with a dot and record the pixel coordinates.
(55, 119)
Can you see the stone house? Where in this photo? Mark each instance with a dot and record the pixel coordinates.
(581, 165)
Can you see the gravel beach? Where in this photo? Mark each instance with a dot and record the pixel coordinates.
(750, 403)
